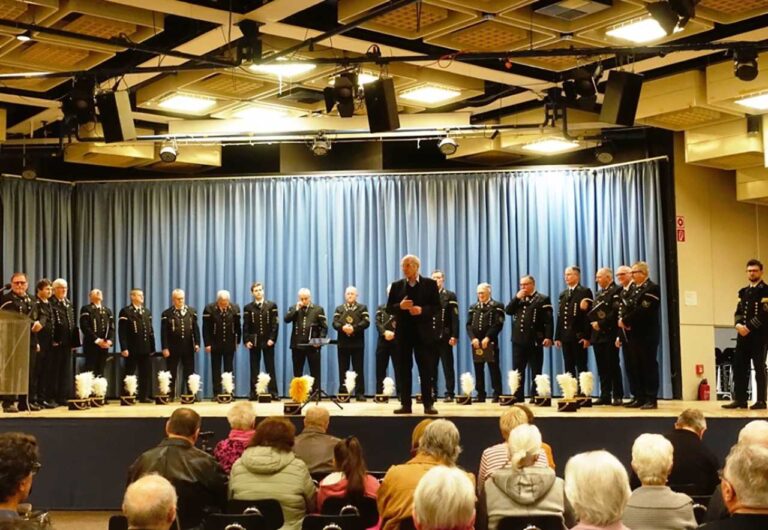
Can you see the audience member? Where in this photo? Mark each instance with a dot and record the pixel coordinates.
(745, 489)
(242, 423)
(314, 446)
(19, 462)
(269, 469)
(150, 503)
(200, 483)
(544, 445)
(654, 506)
(522, 487)
(439, 445)
(444, 499)
(597, 487)
(417, 433)
(351, 478)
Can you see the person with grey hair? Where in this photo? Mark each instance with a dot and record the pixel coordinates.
(573, 332)
(97, 323)
(484, 322)
(137, 342)
(438, 446)
(242, 425)
(66, 337)
(179, 339)
(604, 318)
(221, 334)
(744, 489)
(350, 320)
(150, 503)
(524, 487)
(309, 322)
(597, 486)
(314, 445)
(654, 506)
(444, 498)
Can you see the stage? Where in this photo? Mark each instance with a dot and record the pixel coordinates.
(86, 454)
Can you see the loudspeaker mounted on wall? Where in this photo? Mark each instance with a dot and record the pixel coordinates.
(381, 105)
(622, 94)
(116, 116)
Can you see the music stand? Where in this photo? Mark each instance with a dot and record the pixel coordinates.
(317, 395)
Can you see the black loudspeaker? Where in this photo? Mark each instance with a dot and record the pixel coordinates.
(622, 94)
(381, 104)
(116, 116)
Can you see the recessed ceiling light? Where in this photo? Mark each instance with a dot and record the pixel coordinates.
(430, 94)
(550, 146)
(187, 104)
(254, 112)
(24, 37)
(639, 30)
(756, 101)
(281, 68)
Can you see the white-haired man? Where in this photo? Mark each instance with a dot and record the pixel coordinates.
(444, 498)
(150, 503)
(221, 334)
(98, 326)
(484, 322)
(179, 338)
(66, 337)
(137, 342)
(309, 322)
(597, 486)
(350, 320)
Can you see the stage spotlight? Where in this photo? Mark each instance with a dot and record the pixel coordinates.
(447, 146)
(342, 94)
(672, 13)
(169, 151)
(580, 89)
(79, 106)
(604, 153)
(320, 146)
(29, 171)
(745, 63)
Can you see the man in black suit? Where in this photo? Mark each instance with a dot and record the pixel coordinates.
(309, 322)
(446, 326)
(641, 323)
(66, 337)
(573, 329)
(221, 334)
(40, 390)
(604, 319)
(260, 326)
(386, 345)
(98, 326)
(350, 320)
(531, 330)
(484, 322)
(413, 301)
(624, 279)
(179, 339)
(137, 342)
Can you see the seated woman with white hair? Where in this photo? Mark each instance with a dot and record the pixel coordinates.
(654, 506)
(523, 488)
(597, 486)
(242, 423)
(444, 500)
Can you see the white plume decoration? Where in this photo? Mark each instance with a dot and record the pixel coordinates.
(83, 385)
(543, 386)
(587, 383)
(228, 382)
(568, 385)
(350, 379)
(467, 383)
(193, 383)
(99, 386)
(513, 380)
(131, 384)
(262, 383)
(310, 381)
(164, 382)
(388, 386)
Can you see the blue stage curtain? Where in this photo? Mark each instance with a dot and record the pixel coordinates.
(37, 229)
(327, 232)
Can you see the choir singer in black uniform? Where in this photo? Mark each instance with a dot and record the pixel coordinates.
(484, 323)
(97, 324)
(66, 337)
(137, 342)
(531, 331)
(573, 330)
(752, 327)
(446, 326)
(414, 300)
(221, 334)
(350, 320)
(386, 345)
(179, 339)
(604, 317)
(260, 326)
(40, 391)
(308, 322)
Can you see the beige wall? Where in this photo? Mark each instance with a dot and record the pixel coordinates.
(721, 235)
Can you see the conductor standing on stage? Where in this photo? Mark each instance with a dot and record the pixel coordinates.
(414, 300)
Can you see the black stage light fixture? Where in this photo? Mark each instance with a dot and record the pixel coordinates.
(249, 48)
(79, 106)
(745, 63)
(672, 13)
(580, 89)
(342, 94)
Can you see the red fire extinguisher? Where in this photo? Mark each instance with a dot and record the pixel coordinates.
(703, 390)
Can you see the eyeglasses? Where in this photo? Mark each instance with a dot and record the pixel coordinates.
(36, 468)
(22, 282)
(637, 272)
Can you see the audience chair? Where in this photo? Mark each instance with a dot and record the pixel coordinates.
(366, 508)
(700, 512)
(527, 522)
(223, 521)
(269, 509)
(343, 522)
(118, 522)
(407, 524)
(378, 475)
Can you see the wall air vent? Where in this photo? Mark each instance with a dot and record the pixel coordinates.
(570, 9)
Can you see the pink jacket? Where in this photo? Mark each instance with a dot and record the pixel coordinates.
(335, 485)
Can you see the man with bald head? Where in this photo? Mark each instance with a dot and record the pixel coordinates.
(603, 318)
(413, 301)
(314, 445)
(309, 322)
(179, 339)
(350, 320)
(98, 326)
(221, 333)
(150, 503)
(137, 342)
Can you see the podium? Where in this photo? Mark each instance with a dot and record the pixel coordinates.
(14, 353)
(320, 342)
